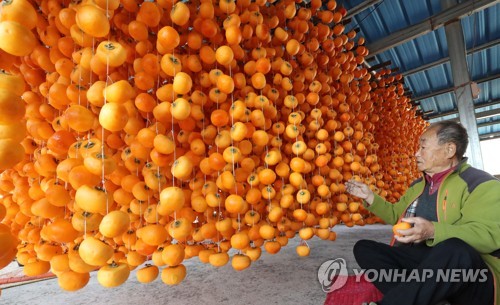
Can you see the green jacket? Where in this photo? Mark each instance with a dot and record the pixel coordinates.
(468, 207)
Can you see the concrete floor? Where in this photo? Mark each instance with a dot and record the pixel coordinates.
(284, 278)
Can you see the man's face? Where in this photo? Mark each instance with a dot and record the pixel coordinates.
(431, 156)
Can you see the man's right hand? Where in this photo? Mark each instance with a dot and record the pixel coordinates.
(360, 190)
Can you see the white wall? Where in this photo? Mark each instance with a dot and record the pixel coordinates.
(490, 150)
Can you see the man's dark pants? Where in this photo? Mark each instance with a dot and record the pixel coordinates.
(449, 254)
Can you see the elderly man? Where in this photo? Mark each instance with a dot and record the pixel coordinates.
(452, 250)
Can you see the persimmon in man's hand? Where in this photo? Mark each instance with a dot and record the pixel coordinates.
(400, 226)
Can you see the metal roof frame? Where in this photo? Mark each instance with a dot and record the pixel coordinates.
(430, 24)
(450, 89)
(446, 59)
(389, 25)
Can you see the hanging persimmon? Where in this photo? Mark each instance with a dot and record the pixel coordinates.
(170, 130)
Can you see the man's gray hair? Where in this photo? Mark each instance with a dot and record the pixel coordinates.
(450, 131)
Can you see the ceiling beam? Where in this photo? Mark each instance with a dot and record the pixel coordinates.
(444, 60)
(485, 124)
(428, 25)
(450, 89)
(380, 65)
(479, 115)
(489, 136)
(488, 113)
(455, 111)
(484, 115)
(426, 66)
(433, 94)
(361, 7)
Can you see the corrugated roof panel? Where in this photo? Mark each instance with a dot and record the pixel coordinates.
(489, 124)
(386, 17)
(420, 51)
(396, 14)
(408, 50)
(430, 80)
(444, 118)
(428, 105)
(484, 63)
(443, 103)
(478, 65)
(372, 25)
(492, 57)
(432, 46)
(485, 125)
(488, 121)
(429, 47)
(419, 10)
(397, 19)
(392, 56)
(487, 108)
(489, 91)
(348, 4)
(481, 27)
(487, 130)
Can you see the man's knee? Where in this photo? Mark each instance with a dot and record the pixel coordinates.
(362, 245)
(363, 248)
(454, 245)
(458, 249)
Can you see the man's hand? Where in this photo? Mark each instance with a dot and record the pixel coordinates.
(421, 231)
(360, 190)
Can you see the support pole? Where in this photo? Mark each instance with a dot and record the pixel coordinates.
(461, 80)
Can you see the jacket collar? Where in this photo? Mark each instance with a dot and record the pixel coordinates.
(461, 165)
(436, 180)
